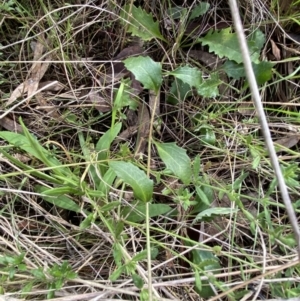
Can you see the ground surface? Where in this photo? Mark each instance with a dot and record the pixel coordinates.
(107, 107)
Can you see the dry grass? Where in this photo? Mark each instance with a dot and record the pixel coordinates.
(254, 248)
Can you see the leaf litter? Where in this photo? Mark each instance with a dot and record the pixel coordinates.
(35, 74)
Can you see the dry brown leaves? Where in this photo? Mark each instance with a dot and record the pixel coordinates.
(35, 74)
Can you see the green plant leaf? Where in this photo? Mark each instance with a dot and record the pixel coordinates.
(140, 256)
(225, 44)
(176, 160)
(262, 70)
(146, 71)
(140, 23)
(27, 169)
(256, 42)
(205, 200)
(204, 195)
(142, 186)
(256, 157)
(199, 10)
(234, 70)
(118, 229)
(61, 201)
(106, 140)
(176, 12)
(198, 282)
(238, 182)
(117, 254)
(117, 273)
(86, 223)
(189, 75)
(209, 87)
(138, 213)
(31, 146)
(124, 96)
(107, 181)
(110, 206)
(43, 154)
(144, 295)
(207, 134)
(210, 213)
(57, 191)
(205, 260)
(179, 91)
(137, 280)
(27, 288)
(90, 155)
(196, 168)
(143, 254)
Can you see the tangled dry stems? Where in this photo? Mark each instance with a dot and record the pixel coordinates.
(48, 235)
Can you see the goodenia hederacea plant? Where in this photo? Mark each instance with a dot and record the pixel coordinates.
(136, 178)
(199, 10)
(262, 70)
(189, 75)
(193, 77)
(179, 12)
(104, 143)
(139, 213)
(176, 160)
(139, 23)
(149, 73)
(28, 143)
(209, 87)
(60, 200)
(146, 71)
(224, 43)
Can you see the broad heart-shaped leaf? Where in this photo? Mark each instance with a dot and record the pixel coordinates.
(146, 71)
(199, 10)
(189, 75)
(176, 160)
(140, 23)
(142, 186)
(225, 44)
